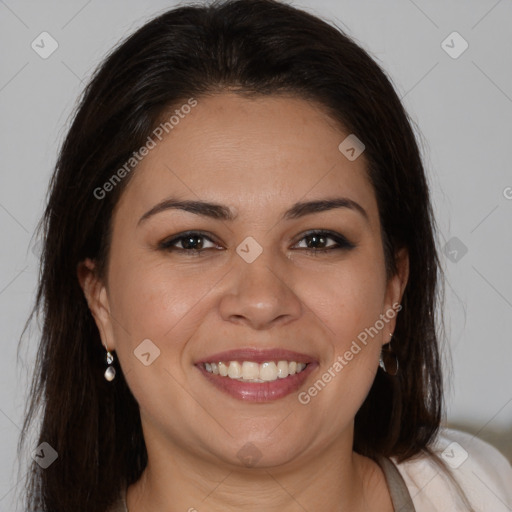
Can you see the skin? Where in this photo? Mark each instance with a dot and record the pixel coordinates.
(257, 157)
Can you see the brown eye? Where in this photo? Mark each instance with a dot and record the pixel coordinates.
(191, 242)
(314, 239)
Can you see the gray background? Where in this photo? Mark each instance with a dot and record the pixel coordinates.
(463, 107)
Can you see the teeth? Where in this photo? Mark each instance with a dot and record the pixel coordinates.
(234, 370)
(282, 369)
(250, 370)
(268, 371)
(253, 372)
(223, 369)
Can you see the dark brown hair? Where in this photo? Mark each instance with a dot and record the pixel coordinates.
(252, 47)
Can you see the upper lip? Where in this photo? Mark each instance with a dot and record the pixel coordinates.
(258, 356)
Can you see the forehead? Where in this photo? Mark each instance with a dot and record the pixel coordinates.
(255, 155)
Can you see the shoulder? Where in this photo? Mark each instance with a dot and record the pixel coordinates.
(482, 472)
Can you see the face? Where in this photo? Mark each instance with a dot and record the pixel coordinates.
(246, 281)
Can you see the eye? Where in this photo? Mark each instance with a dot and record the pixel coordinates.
(318, 237)
(192, 242)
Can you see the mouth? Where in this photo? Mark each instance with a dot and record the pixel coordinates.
(257, 375)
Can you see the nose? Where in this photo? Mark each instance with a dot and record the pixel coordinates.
(260, 293)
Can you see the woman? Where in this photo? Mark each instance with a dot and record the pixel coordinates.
(239, 284)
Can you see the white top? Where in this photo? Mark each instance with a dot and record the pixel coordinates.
(481, 470)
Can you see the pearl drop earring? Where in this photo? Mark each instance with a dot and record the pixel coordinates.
(110, 372)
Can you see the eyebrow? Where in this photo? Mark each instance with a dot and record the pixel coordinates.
(221, 212)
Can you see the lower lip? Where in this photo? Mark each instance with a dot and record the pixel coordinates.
(259, 391)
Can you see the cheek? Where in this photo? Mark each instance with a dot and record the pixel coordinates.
(349, 302)
(347, 298)
(155, 301)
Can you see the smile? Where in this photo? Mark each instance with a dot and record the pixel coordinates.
(250, 371)
(255, 375)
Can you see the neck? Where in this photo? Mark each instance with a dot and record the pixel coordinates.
(332, 479)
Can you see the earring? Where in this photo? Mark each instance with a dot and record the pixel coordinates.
(110, 372)
(388, 359)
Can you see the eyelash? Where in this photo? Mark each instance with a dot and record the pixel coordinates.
(341, 241)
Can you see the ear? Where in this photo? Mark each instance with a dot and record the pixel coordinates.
(394, 291)
(96, 295)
